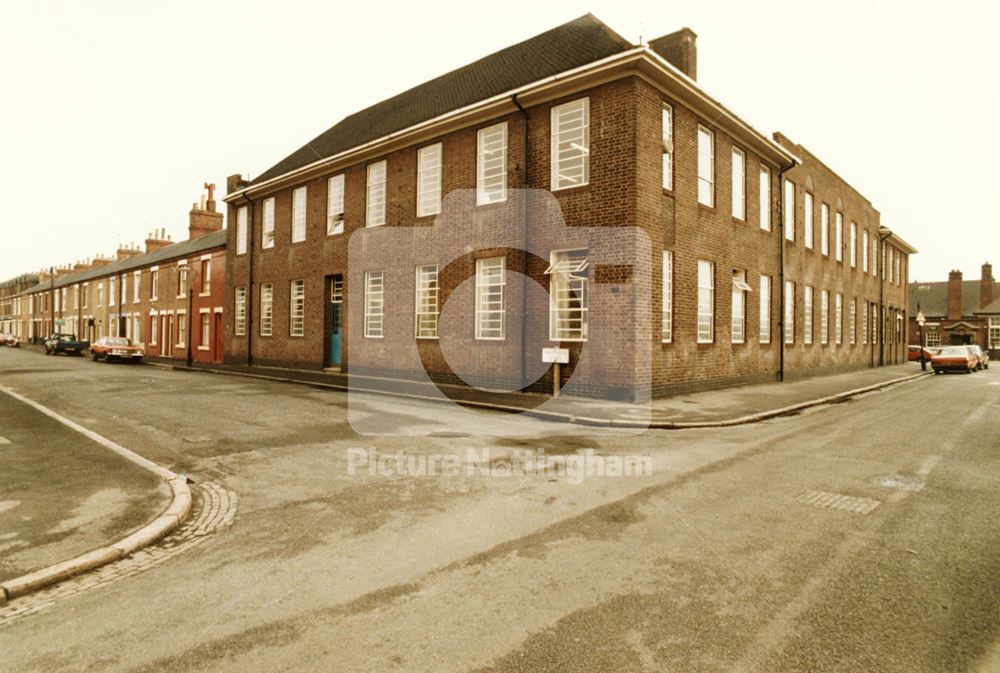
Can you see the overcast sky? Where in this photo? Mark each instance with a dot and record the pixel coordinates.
(114, 113)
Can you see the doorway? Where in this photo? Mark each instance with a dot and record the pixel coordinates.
(217, 341)
(334, 341)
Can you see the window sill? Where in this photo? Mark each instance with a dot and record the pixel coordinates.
(569, 188)
(204, 348)
(427, 338)
(374, 337)
(487, 204)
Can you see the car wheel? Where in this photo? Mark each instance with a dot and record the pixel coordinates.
(93, 356)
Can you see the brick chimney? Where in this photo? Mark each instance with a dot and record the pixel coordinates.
(124, 252)
(203, 218)
(81, 266)
(235, 183)
(157, 239)
(955, 295)
(986, 284)
(680, 50)
(100, 260)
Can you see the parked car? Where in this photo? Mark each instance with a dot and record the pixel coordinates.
(913, 353)
(65, 343)
(954, 359)
(982, 357)
(8, 340)
(115, 348)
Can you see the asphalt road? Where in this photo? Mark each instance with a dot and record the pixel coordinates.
(718, 561)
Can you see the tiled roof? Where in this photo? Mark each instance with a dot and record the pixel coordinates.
(993, 308)
(933, 298)
(180, 250)
(571, 45)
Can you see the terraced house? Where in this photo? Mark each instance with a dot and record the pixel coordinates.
(573, 191)
(165, 297)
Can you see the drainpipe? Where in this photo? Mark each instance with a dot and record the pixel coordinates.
(249, 296)
(883, 234)
(52, 297)
(524, 245)
(780, 226)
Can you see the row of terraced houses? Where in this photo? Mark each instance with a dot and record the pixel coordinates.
(574, 192)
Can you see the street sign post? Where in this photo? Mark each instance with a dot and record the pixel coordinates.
(555, 356)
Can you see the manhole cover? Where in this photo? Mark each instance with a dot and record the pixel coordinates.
(899, 482)
(846, 503)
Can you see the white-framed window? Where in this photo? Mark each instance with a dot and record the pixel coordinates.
(375, 204)
(667, 132)
(429, 180)
(374, 304)
(76, 299)
(299, 214)
(266, 309)
(891, 251)
(182, 281)
(933, 336)
(667, 299)
(899, 263)
(241, 230)
(491, 277)
(112, 291)
(154, 324)
(136, 286)
(789, 211)
(838, 231)
(852, 322)
(240, 312)
(864, 250)
(267, 224)
(854, 245)
(808, 224)
(789, 304)
(154, 284)
(570, 156)
(824, 229)
(181, 330)
(86, 297)
(864, 323)
(136, 329)
(206, 330)
(874, 261)
(807, 315)
(706, 302)
(568, 272)
(426, 302)
(739, 184)
(297, 308)
(335, 205)
(706, 166)
(491, 164)
(838, 319)
(824, 317)
(100, 294)
(206, 277)
(765, 310)
(739, 307)
(765, 198)
(875, 325)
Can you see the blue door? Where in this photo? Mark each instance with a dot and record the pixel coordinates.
(336, 331)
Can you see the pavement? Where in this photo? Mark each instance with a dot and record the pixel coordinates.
(742, 549)
(63, 494)
(729, 405)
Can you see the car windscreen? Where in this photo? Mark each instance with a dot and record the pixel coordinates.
(117, 342)
(959, 352)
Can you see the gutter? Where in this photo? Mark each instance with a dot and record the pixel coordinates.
(524, 245)
(780, 230)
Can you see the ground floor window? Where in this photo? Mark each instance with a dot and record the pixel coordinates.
(240, 312)
(181, 329)
(932, 336)
(789, 312)
(206, 330)
(706, 302)
(490, 280)
(740, 289)
(568, 295)
(667, 300)
(374, 304)
(824, 317)
(297, 308)
(153, 329)
(426, 302)
(765, 309)
(266, 309)
(853, 323)
(994, 333)
(838, 319)
(807, 315)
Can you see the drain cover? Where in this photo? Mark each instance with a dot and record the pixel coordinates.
(839, 501)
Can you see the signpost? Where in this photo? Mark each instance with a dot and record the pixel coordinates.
(556, 356)
(920, 322)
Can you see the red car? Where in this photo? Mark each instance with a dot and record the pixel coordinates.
(913, 353)
(8, 340)
(115, 348)
(955, 359)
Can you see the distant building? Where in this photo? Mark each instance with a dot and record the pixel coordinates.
(958, 311)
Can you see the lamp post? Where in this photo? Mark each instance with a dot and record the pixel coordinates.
(920, 323)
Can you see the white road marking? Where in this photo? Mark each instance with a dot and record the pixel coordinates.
(929, 464)
(4, 440)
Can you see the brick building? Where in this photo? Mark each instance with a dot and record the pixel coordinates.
(163, 297)
(574, 191)
(11, 292)
(958, 311)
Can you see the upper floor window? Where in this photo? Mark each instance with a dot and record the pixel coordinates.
(668, 146)
(739, 184)
(854, 244)
(568, 273)
(824, 229)
(789, 210)
(375, 206)
(429, 180)
(136, 284)
(491, 164)
(807, 204)
(154, 284)
(206, 276)
(112, 291)
(864, 250)
(765, 198)
(267, 224)
(241, 231)
(182, 281)
(571, 144)
(706, 166)
(299, 215)
(838, 241)
(335, 205)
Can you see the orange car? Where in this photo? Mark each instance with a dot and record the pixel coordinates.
(115, 348)
(955, 359)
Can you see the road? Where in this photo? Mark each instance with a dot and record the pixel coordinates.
(720, 560)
